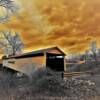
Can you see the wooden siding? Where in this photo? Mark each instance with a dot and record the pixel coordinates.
(55, 51)
(24, 65)
(0, 61)
(40, 60)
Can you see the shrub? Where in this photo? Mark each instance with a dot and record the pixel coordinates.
(45, 83)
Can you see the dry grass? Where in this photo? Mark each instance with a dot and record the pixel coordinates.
(45, 84)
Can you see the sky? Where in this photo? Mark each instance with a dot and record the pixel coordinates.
(69, 24)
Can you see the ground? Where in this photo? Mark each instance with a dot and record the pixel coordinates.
(45, 84)
(96, 79)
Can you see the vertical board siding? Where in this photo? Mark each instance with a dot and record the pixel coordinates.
(55, 51)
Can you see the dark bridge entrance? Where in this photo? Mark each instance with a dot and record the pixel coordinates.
(55, 61)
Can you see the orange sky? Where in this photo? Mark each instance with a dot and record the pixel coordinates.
(70, 24)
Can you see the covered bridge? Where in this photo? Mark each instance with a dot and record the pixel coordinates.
(53, 58)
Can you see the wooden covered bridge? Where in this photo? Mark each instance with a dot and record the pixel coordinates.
(53, 58)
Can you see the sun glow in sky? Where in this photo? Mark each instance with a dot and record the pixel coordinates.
(69, 24)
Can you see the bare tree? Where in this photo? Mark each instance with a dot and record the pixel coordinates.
(10, 8)
(11, 43)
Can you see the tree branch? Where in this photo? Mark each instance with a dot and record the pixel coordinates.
(13, 41)
(10, 7)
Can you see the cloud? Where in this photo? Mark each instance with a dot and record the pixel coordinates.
(70, 24)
